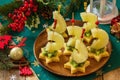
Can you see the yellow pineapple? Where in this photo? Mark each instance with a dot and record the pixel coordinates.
(75, 32)
(52, 50)
(58, 41)
(61, 24)
(101, 38)
(90, 20)
(80, 54)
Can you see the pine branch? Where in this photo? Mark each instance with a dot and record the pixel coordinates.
(5, 62)
(8, 8)
(73, 6)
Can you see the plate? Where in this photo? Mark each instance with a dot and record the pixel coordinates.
(58, 67)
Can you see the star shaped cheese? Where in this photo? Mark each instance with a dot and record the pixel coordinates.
(73, 69)
(66, 51)
(88, 39)
(98, 57)
(52, 59)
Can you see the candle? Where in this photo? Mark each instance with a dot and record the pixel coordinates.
(114, 5)
(91, 5)
(102, 7)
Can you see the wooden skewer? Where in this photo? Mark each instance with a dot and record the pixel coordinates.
(59, 7)
(73, 21)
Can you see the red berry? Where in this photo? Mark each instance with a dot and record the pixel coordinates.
(72, 20)
(31, 1)
(26, 5)
(16, 21)
(25, 18)
(97, 22)
(10, 15)
(34, 9)
(13, 17)
(23, 9)
(27, 13)
(31, 5)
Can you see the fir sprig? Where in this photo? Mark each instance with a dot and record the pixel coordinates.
(5, 62)
(10, 7)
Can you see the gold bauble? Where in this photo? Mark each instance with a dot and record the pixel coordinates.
(16, 53)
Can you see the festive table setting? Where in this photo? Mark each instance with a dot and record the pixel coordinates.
(59, 39)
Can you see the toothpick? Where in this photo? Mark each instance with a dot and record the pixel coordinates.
(72, 15)
(73, 20)
(59, 7)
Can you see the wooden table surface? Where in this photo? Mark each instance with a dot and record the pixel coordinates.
(5, 75)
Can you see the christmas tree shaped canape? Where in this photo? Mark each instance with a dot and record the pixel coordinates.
(74, 32)
(59, 22)
(52, 50)
(78, 60)
(91, 22)
(97, 49)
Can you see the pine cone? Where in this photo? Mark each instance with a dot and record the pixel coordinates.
(46, 12)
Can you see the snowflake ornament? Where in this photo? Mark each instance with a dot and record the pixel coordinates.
(13, 77)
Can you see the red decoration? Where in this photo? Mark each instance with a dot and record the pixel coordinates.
(22, 43)
(55, 23)
(19, 16)
(25, 71)
(4, 40)
(72, 21)
(83, 31)
(97, 22)
(115, 20)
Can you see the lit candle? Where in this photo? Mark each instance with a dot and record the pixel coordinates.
(102, 7)
(91, 5)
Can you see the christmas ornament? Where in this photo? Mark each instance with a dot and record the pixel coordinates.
(16, 53)
(46, 12)
(25, 71)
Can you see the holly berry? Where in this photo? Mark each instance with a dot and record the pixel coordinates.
(34, 9)
(72, 20)
(10, 15)
(97, 22)
(19, 16)
(27, 13)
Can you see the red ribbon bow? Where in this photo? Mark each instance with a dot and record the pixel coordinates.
(20, 44)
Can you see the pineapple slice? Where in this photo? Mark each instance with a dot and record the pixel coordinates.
(58, 41)
(74, 31)
(101, 38)
(61, 24)
(80, 54)
(90, 18)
